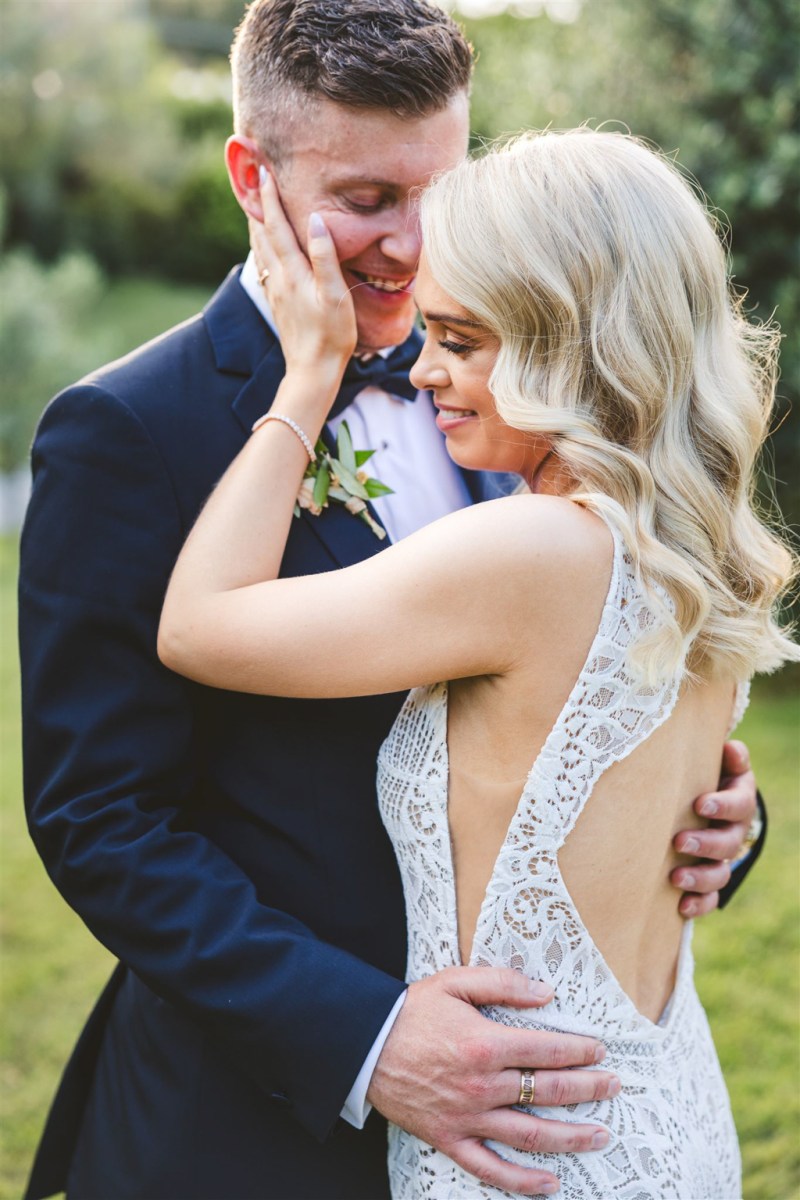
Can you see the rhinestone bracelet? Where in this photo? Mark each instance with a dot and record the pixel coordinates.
(295, 428)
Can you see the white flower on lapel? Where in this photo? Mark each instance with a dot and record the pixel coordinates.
(342, 481)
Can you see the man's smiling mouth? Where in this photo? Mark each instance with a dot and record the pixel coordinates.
(382, 283)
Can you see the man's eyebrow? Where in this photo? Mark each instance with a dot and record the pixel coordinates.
(451, 319)
(361, 181)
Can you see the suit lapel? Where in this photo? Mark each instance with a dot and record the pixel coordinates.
(245, 345)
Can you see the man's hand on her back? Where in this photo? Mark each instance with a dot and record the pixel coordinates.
(729, 811)
(451, 1076)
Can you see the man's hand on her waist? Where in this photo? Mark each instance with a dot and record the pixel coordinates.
(452, 1076)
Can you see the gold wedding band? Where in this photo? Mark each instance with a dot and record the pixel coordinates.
(527, 1087)
(751, 837)
(263, 276)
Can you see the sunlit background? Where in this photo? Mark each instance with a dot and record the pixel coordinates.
(117, 221)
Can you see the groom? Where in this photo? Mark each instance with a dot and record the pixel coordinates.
(227, 847)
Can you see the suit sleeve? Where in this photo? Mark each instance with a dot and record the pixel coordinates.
(741, 868)
(108, 764)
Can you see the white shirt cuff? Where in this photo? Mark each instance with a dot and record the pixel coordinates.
(356, 1107)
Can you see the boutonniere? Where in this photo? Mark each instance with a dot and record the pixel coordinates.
(341, 480)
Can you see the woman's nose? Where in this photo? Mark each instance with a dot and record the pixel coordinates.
(424, 374)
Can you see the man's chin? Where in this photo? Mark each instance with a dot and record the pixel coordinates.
(374, 335)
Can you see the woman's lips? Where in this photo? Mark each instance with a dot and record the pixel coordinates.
(450, 418)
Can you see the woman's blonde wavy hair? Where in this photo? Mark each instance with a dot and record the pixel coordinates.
(600, 271)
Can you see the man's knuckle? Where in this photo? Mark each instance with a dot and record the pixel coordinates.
(484, 1173)
(579, 1141)
(438, 1132)
(560, 1090)
(477, 1166)
(478, 1089)
(550, 1052)
(532, 1141)
(588, 1053)
(480, 1055)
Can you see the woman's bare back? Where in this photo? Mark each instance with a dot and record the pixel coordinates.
(616, 861)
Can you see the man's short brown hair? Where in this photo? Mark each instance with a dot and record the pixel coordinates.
(406, 56)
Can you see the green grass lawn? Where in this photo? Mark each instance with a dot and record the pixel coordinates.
(748, 957)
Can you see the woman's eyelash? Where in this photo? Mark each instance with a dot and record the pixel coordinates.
(455, 347)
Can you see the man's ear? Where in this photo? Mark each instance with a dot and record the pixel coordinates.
(243, 159)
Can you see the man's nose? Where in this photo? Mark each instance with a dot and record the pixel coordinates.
(403, 242)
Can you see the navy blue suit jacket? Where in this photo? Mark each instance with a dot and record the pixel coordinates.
(226, 848)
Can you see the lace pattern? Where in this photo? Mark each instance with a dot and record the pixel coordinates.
(672, 1133)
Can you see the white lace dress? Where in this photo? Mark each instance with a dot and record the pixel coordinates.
(672, 1133)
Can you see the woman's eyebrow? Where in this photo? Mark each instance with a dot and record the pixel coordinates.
(451, 319)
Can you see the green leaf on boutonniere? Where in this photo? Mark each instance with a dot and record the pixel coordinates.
(344, 447)
(363, 456)
(322, 484)
(375, 488)
(347, 477)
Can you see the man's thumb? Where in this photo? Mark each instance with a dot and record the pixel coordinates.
(497, 985)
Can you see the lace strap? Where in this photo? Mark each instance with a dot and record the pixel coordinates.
(606, 716)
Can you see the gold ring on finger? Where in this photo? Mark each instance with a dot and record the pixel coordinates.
(527, 1087)
(263, 276)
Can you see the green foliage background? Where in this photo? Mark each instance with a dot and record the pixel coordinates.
(113, 117)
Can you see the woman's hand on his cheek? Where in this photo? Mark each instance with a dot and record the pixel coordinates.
(310, 302)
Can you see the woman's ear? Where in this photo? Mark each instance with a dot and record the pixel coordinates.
(243, 159)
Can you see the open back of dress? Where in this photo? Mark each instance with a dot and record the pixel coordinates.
(672, 1133)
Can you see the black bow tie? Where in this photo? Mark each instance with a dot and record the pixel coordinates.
(390, 374)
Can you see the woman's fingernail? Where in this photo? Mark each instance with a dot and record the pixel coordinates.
(599, 1054)
(689, 909)
(263, 174)
(316, 226)
(614, 1088)
(688, 881)
(550, 1189)
(600, 1139)
(709, 807)
(690, 846)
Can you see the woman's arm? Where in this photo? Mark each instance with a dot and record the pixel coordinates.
(417, 613)
(445, 603)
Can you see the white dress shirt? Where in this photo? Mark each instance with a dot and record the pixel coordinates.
(411, 458)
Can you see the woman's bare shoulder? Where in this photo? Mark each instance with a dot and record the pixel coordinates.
(530, 532)
(541, 557)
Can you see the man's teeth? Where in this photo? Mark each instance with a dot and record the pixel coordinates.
(387, 285)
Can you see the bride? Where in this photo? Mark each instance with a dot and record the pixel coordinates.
(577, 651)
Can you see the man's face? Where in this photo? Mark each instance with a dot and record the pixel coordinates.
(362, 170)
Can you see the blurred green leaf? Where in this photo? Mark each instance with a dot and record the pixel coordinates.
(344, 445)
(321, 485)
(354, 487)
